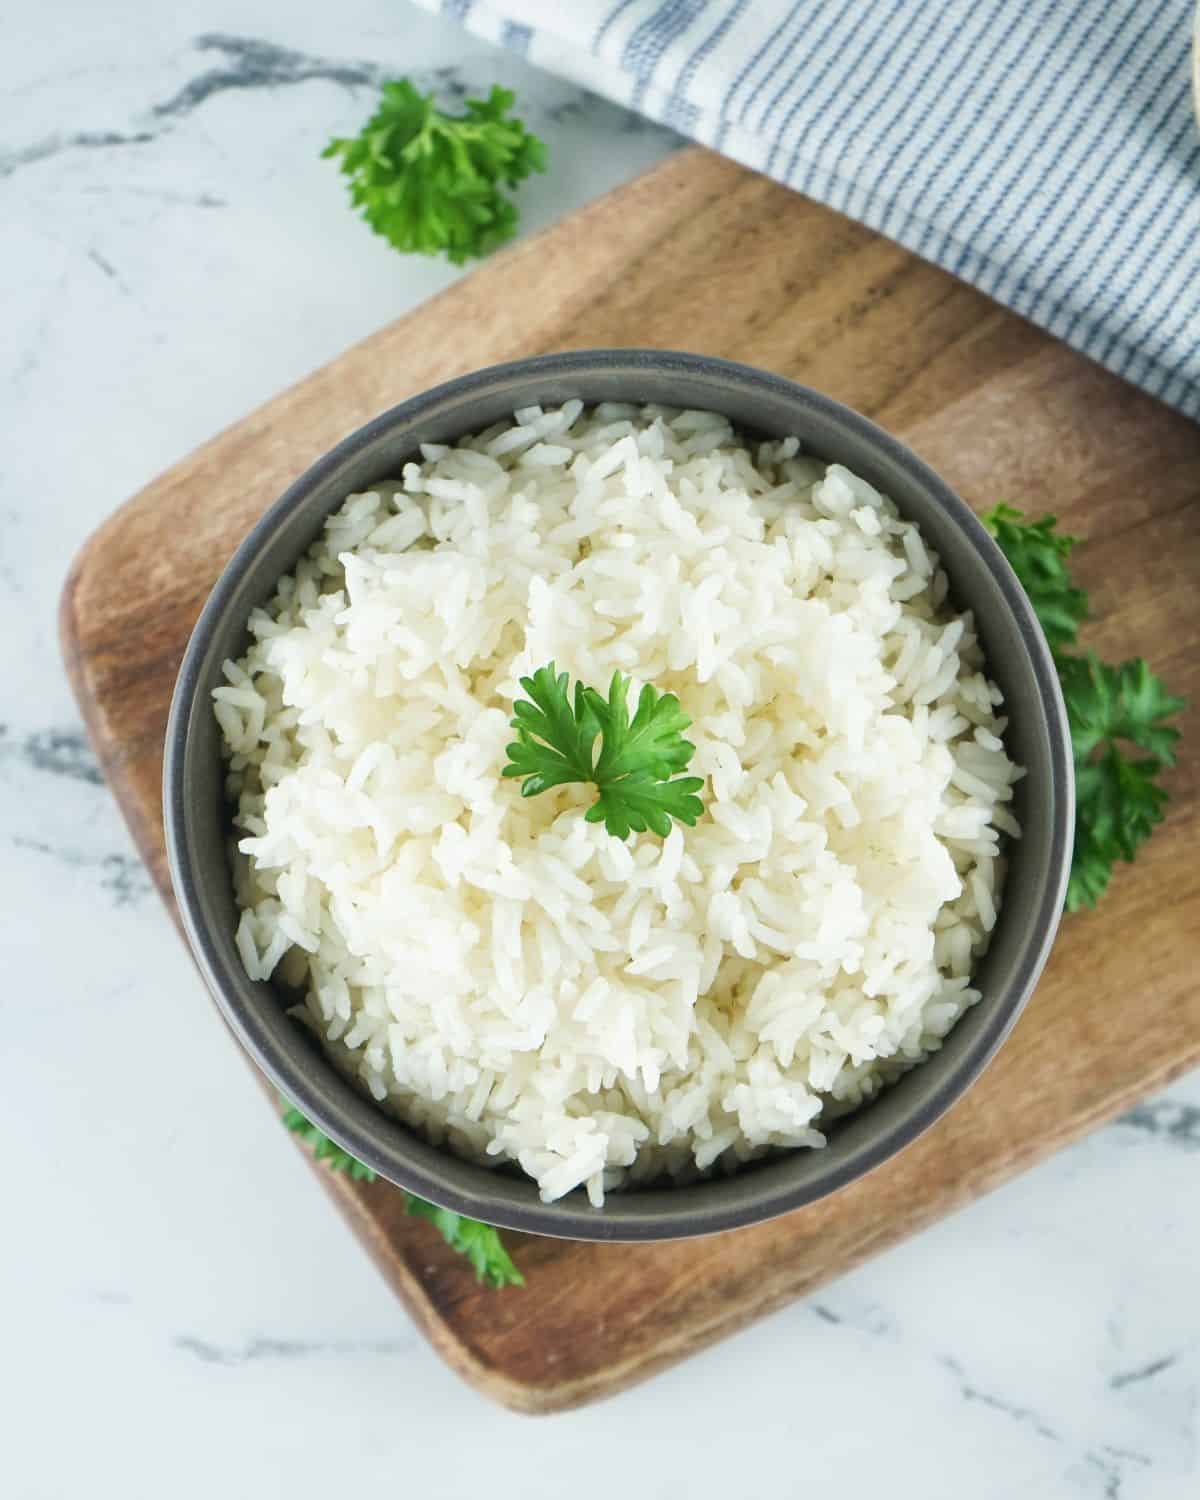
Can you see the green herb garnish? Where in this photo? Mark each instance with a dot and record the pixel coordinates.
(556, 742)
(324, 1149)
(430, 182)
(1118, 799)
(1038, 555)
(480, 1243)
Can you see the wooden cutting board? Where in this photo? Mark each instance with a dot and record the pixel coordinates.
(701, 255)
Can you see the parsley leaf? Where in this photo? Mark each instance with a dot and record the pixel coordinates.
(638, 802)
(429, 182)
(324, 1149)
(554, 740)
(1118, 799)
(1038, 556)
(653, 742)
(1125, 702)
(555, 744)
(479, 1243)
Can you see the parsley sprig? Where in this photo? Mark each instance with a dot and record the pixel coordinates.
(556, 744)
(1111, 709)
(430, 182)
(479, 1243)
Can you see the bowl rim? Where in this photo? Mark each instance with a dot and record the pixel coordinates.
(567, 1217)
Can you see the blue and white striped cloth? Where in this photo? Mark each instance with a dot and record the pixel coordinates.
(1044, 150)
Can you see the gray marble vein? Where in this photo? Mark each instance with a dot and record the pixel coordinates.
(262, 1348)
(1147, 1371)
(1112, 1467)
(54, 752)
(79, 140)
(1175, 1124)
(1018, 1412)
(123, 877)
(252, 64)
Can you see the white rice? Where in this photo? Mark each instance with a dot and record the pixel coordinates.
(511, 979)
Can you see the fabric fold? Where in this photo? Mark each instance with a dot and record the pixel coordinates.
(1046, 151)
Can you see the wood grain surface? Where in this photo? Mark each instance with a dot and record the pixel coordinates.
(702, 255)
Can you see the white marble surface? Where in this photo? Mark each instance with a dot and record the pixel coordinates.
(183, 1314)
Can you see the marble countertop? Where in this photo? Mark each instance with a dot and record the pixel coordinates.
(184, 1314)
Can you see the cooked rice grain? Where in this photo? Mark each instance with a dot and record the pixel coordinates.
(510, 979)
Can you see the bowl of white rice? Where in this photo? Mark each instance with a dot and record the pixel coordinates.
(518, 1010)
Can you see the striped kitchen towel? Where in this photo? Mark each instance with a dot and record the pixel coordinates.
(1044, 150)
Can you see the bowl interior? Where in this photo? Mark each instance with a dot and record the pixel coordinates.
(198, 819)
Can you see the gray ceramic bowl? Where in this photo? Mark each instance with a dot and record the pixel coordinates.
(197, 821)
